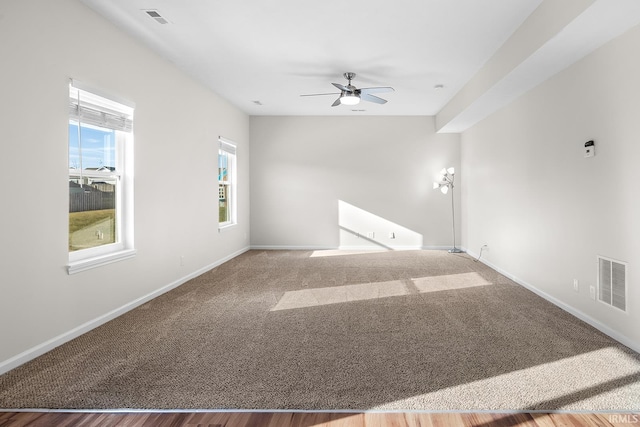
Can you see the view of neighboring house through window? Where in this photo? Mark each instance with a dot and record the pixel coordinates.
(226, 183)
(100, 138)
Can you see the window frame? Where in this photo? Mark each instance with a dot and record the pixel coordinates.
(228, 148)
(123, 247)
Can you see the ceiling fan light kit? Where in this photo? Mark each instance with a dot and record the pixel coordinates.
(351, 95)
(347, 98)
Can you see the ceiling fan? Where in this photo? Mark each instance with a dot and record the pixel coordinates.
(351, 95)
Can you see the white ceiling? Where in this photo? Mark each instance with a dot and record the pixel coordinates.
(273, 51)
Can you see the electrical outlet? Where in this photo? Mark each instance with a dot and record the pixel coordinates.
(371, 235)
(392, 235)
(181, 260)
(592, 292)
(576, 286)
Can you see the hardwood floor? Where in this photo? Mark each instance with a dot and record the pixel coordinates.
(312, 419)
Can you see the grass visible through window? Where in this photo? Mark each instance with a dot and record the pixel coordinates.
(91, 228)
(223, 216)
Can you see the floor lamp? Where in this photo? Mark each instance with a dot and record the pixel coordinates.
(445, 183)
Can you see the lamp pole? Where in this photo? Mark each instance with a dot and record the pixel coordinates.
(444, 184)
(454, 250)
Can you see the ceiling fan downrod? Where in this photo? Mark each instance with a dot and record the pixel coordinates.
(349, 76)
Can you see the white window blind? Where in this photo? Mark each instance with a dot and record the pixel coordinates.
(89, 108)
(227, 146)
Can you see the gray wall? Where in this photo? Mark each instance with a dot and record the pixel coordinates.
(177, 123)
(318, 182)
(545, 211)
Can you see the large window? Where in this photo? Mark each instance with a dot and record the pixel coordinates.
(100, 180)
(226, 183)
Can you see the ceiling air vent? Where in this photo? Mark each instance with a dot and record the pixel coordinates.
(156, 16)
(612, 282)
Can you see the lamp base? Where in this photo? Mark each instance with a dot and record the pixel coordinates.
(455, 251)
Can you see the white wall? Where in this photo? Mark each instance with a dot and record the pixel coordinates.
(316, 182)
(177, 123)
(546, 211)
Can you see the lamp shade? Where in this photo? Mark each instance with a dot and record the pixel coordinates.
(444, 189)
(451, 171)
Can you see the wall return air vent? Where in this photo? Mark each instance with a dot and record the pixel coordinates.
(612, 282)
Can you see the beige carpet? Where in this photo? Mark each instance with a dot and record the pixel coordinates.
(423, 330)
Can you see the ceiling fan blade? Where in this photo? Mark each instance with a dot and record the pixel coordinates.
(321, 94)
(376, 89)
(336, 103)
(371, 98)
(342, 87)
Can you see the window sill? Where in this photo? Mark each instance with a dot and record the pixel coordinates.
(89, 263)
(226, 227)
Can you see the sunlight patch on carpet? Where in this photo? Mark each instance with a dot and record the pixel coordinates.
(585, 382)
(344, 252)
(340, 294)
(368, 291)
(449, 282)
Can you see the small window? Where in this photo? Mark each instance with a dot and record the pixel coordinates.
(100, 180)
(226, 183)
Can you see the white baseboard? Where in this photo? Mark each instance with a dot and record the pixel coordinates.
(290, 248)
(345, 248)
(569, 309)
(373, 248)
(437, 248)
(46, 346)
(392, 248)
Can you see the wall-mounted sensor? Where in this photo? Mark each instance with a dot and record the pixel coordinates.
(589, 149)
